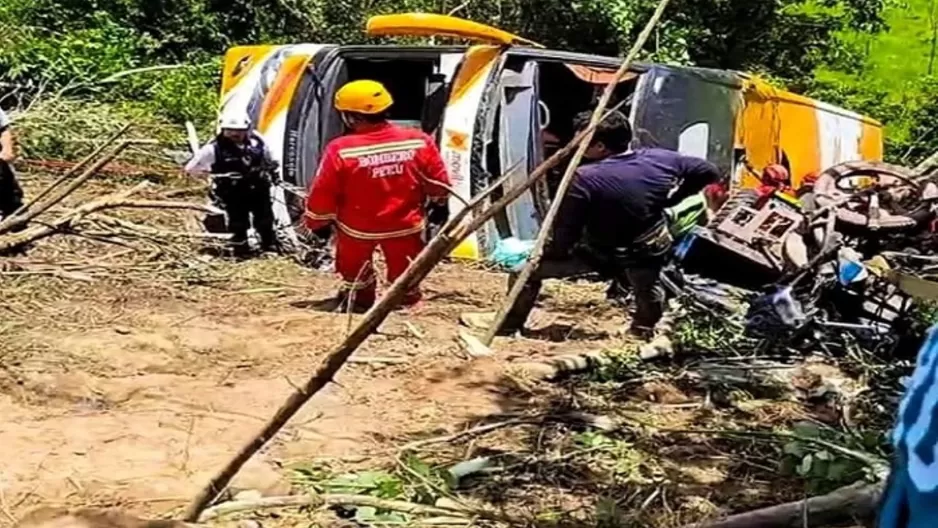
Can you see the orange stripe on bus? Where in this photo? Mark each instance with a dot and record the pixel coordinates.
(474, 64)
(281, 93)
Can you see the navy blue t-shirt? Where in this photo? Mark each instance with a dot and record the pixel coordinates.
(623, 196)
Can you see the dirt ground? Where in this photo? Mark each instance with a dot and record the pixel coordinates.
(133, 366)
(134, 388)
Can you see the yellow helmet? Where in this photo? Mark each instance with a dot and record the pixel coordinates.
(363, 97)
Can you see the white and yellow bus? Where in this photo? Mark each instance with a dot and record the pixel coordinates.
(497, 103)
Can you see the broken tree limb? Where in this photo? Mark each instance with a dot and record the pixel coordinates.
(70, 218)
(155, 232)
(544, 235)
(469, 432)
(68, 174)
(13, 222)
(927, 165)
(857, 503)
(450, 235)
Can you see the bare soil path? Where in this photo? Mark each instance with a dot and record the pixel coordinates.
(135, 391)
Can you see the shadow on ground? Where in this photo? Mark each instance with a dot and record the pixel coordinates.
(632, 445)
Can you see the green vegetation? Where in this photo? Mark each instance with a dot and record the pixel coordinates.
(891, 75)
(872, 55)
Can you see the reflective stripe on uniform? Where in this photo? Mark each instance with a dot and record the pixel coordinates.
(315, 216)
(364, 235)
(381, 148)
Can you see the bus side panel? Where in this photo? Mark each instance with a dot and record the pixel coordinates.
(871, 142)
(805, 135)
(459, 130)
(778, 130)
(800, 139)
(685, 111)
(758, 135)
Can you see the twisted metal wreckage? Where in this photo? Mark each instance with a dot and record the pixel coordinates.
(852, 253)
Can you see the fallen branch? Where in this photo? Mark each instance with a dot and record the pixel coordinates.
(37, 209)
(857, 503)
(68, 174)
(379, 360)
(927, 165)
(878, 465)
(72, 217)
(155, 232)
(487, 428)
(319, 501)
(545, 233)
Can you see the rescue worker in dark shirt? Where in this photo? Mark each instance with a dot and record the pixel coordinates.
(243, 169)
(620, 201)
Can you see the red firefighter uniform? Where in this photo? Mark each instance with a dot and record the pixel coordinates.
(374, 185)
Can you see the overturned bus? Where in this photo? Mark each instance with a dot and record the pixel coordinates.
(504, 101)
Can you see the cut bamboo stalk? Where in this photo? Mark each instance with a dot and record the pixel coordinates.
(63, 178)
(13, 222)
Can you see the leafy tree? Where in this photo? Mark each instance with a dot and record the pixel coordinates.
(74, 43)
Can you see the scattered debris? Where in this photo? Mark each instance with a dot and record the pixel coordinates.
(474, 346)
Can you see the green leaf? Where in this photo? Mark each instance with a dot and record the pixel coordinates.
(804, 469)
(796, 449)
(806, 430)
(370, 515)
(838, 470)
(591, 439)
(389, 488)
(418, 466)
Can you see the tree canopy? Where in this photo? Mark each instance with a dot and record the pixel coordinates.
(74, 44)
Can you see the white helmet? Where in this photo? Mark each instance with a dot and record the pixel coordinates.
(234, 121)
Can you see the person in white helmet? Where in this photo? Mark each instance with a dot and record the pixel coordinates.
(243, 169)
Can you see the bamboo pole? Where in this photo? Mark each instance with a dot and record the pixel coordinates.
(6, 224)
(17, 221)
(450, 235)
(544, 235)
(927, 165)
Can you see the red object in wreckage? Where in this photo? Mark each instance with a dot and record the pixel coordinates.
(716, 195)
(775, 178)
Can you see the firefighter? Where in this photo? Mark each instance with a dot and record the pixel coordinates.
(375, 184)
(620, 201)
(242, 169)
(11, 195)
